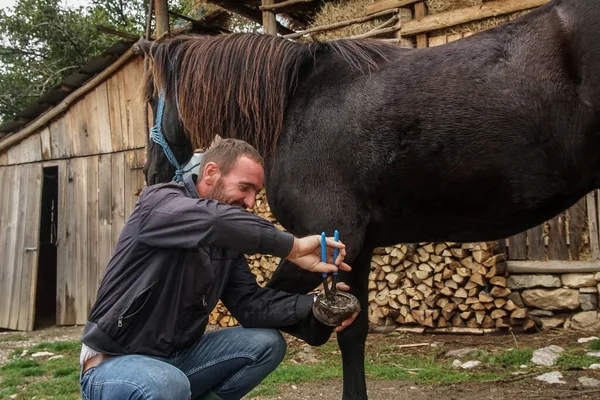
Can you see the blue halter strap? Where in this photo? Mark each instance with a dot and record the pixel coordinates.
(157, 137)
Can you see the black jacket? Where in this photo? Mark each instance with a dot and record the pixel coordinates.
(177, 255)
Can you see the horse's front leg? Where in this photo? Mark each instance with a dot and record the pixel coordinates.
(352, 339)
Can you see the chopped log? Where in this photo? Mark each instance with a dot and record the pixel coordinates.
(473, 292)
(510, 306)
(466, 315)
(484, 298)
(492, 272)
(480, 255)
(441, 302)
(458, 279)
(439, 248)
(488, 322)
(500, 291)
(457, 321)
(449, 310)
(502, 323)
(464, 307)
(461, 293)
(478, 306)
(500, 303)
(478, 279)
(480, 316)
(494, 260)
(447, 274)
(442, 323)
(451, 283)
(498, 281)
(498, 313)
(472, 323)
(519, 313)
(472, 300)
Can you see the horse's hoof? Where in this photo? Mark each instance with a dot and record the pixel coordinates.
(333, 313)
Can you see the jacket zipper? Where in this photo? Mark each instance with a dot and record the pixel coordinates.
(204, 300)
(122, 316)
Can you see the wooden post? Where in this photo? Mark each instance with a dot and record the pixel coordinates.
(161, 15)
(269, 20)
(420, 12)
(404, 14)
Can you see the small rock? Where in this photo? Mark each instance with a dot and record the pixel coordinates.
(294, 387)
(470, 364)
(550, 323)
(42, 354)
(587, 339)
(516, 298)
(593, 354)
(56, 357)
(456, 363)
(578, 280)
(557, 299)
(541, 313)
(12, 396)
(589, 382)
(531, 281)
(551, 377)
(588, 290)
(586, 321)
(460, 352)
(595, 366)
(523, 366)
(24, 353)
(547, 355)
(588, 301)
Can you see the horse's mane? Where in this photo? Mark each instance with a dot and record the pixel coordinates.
(237, 85)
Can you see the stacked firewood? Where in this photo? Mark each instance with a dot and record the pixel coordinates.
(441, 285)
(430, 285)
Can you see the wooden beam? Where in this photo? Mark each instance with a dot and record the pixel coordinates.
(421, 12)
(468, 14)
(387, 4)
(552, 267)
(269, 21)
(43, 119)
(341, 24)
(161, 16)
(249, 13)
(278, 6)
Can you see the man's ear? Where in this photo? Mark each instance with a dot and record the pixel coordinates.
(211, 172)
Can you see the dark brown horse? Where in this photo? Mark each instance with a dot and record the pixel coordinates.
(472, 141)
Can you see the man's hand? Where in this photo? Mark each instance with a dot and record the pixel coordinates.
(306, 253)
(349, 321)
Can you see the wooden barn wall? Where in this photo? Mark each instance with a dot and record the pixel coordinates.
(96, 195)
(20, 209)
(571, 235)
(108, 119)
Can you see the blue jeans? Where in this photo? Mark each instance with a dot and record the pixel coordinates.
(229, 362)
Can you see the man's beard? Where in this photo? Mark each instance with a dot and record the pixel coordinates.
(217, 192)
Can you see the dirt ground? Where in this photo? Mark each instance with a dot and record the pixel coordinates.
(511, 389)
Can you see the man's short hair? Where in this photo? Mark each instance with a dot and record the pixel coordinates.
(226, 152)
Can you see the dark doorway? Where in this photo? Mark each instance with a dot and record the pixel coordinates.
(45, 299)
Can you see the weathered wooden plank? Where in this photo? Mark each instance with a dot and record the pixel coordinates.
(454, 37)
(552, 267)
(517, 246)
(31, 243)
(438, 40)
(118, 195)
(420, 12)
(388, 4)
(103, 122)
(92, 133)
(577, 214)
(114, 111)
(79, 127)
(139, 133)
(60, 140)
(593, 206)
(105, 247)
(467, 14)
(19, 209)
(557, 238)
(92, 231)
(537, 246)
(46, 144)
(65, 313)
(6, 174)
(3, 158)
(80, 238)
(29, 150)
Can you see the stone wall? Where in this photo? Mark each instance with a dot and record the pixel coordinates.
(567, 301)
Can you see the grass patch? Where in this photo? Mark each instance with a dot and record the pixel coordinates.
(575, 359)
(595, 345)
(13, 338)
(509, 358)
(43, 378)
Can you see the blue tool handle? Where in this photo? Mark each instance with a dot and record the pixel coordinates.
(324, 252)
(336, 237)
